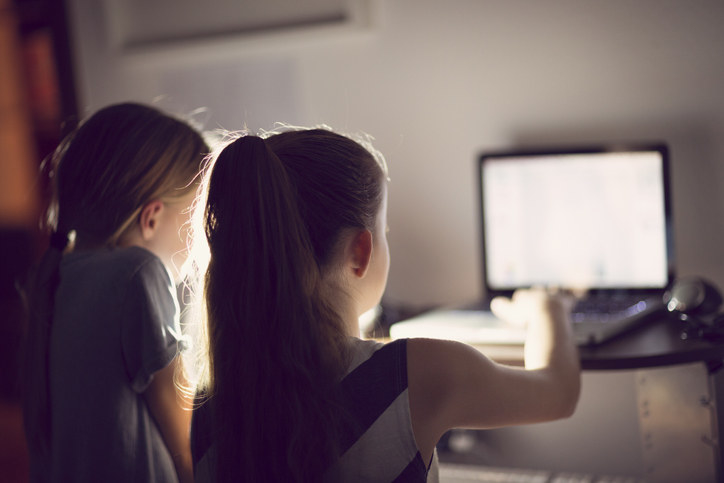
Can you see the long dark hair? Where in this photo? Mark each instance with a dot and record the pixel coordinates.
(275, 212)
(103, 173)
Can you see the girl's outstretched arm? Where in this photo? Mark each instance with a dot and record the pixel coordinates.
(453, 385)
(172, 412)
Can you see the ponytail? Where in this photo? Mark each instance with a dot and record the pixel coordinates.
(41, 301)
(275, 343)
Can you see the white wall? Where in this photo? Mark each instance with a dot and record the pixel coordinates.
(435, 82)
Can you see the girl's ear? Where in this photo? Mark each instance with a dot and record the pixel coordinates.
(360, 253)
(149, 218)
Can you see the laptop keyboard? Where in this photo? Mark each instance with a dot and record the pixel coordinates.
(602, 308)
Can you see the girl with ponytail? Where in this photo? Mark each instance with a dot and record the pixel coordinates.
(296, 226)
(101, 402)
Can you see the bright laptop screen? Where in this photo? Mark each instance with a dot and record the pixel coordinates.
(576, 219)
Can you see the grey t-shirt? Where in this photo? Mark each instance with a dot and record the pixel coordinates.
(115, 324)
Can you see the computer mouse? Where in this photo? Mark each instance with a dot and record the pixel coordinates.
(693, 296)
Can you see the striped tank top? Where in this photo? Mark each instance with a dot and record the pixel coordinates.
(381, 447)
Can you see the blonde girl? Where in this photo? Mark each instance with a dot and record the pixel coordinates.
(103, 342)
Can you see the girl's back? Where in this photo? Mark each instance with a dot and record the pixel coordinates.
(381, 446)
(377, 444)
(115, 322)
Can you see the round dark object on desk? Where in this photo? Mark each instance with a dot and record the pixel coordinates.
(694, 296)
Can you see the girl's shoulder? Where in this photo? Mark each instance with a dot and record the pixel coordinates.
(132, 256)
(362, 350)
(115, 263)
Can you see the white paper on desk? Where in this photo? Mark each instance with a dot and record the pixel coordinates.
(469, 326)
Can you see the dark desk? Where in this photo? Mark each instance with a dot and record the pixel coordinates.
(657, 343)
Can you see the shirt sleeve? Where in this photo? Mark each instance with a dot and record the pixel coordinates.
(150, 331)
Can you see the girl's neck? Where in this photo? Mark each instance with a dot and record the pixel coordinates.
(348, 313)
(351, 321)
(337, 289)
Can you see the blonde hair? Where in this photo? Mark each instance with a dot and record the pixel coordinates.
(119, 159)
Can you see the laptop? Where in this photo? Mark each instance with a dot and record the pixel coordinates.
(596, 219)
